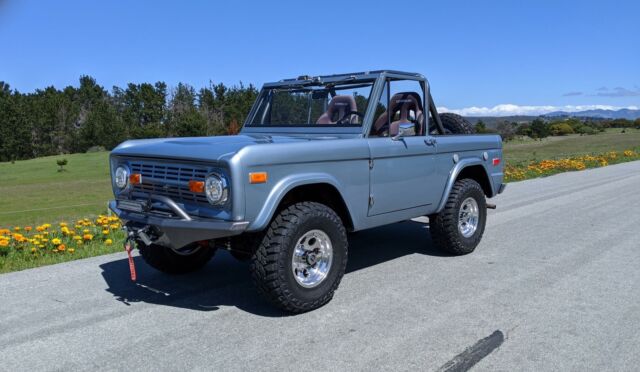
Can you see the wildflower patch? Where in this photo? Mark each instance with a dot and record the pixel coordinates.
(547, 167)
(23, 247)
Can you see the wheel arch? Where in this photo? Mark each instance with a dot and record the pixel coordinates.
(472, 168)
(317, 188)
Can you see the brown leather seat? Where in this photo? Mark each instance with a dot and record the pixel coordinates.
(404, 102)
(338, 108)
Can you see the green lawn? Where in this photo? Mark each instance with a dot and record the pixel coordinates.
(520, 151)
(34, 192)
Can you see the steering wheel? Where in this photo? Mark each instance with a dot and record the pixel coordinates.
(347, 115)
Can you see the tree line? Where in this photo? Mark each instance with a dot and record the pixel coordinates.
(77, 119)
(542, 128)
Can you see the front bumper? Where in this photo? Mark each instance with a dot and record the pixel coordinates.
(175, 231)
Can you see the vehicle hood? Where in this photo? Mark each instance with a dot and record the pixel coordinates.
(198, 148)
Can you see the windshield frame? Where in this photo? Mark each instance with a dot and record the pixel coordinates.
(379, 77)
(339, 83)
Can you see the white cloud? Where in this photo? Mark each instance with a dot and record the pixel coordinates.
(511, 109)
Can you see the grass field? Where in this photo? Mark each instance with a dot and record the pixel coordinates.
(34, 192)
(520, 151)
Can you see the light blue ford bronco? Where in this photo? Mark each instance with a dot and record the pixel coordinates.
(317, 158)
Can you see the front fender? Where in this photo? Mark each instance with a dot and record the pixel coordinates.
(453, 174)
(282, 187)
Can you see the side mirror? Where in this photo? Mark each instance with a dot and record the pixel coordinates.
(405, 130)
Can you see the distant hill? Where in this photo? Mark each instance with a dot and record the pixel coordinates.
(492, 121)
(601, 114)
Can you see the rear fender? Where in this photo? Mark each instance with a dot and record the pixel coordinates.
(453, 175)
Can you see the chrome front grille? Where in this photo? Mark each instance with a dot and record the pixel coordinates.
(171, 180)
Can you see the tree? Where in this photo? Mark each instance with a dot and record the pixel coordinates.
(539, 129)
(102, 127)
(51, 121)
(621, 123)
(144, 109)
(506, 130)
(481, 127)
(524, 130)
(209, 109)
(15, 134)
(184, 117)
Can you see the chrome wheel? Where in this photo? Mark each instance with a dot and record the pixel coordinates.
(468, 217)
(312, 258)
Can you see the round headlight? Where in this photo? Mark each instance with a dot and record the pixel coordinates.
(121, 177)
(215, 188)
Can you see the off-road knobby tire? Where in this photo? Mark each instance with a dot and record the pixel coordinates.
(166, 260)
(271, 263)
(444, 225)
(456, 124)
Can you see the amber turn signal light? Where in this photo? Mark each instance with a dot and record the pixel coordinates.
(135, 178)
(258, 177)
(196, 186)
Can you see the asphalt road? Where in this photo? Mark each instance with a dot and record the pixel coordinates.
(554, 285)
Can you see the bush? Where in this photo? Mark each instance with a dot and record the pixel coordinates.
(61, 163)
(585, 129)
(561, 129)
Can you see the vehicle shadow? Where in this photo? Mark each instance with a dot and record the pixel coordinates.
(227, 282)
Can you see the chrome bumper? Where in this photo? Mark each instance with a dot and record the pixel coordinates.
(172, 231)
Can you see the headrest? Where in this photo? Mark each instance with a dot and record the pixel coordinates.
(406, 101)
(340, 105)
(342, 102)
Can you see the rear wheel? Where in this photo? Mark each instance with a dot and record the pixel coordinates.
(302, 258)
(458, 228)
(177, 261)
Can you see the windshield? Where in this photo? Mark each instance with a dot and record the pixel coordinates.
(318, 105)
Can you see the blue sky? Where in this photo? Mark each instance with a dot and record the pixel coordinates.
(501, 57)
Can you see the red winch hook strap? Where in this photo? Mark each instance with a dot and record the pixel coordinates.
(132, 265)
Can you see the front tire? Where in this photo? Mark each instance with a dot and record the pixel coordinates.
(302, 258)
(458, 228)
(188, 259)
